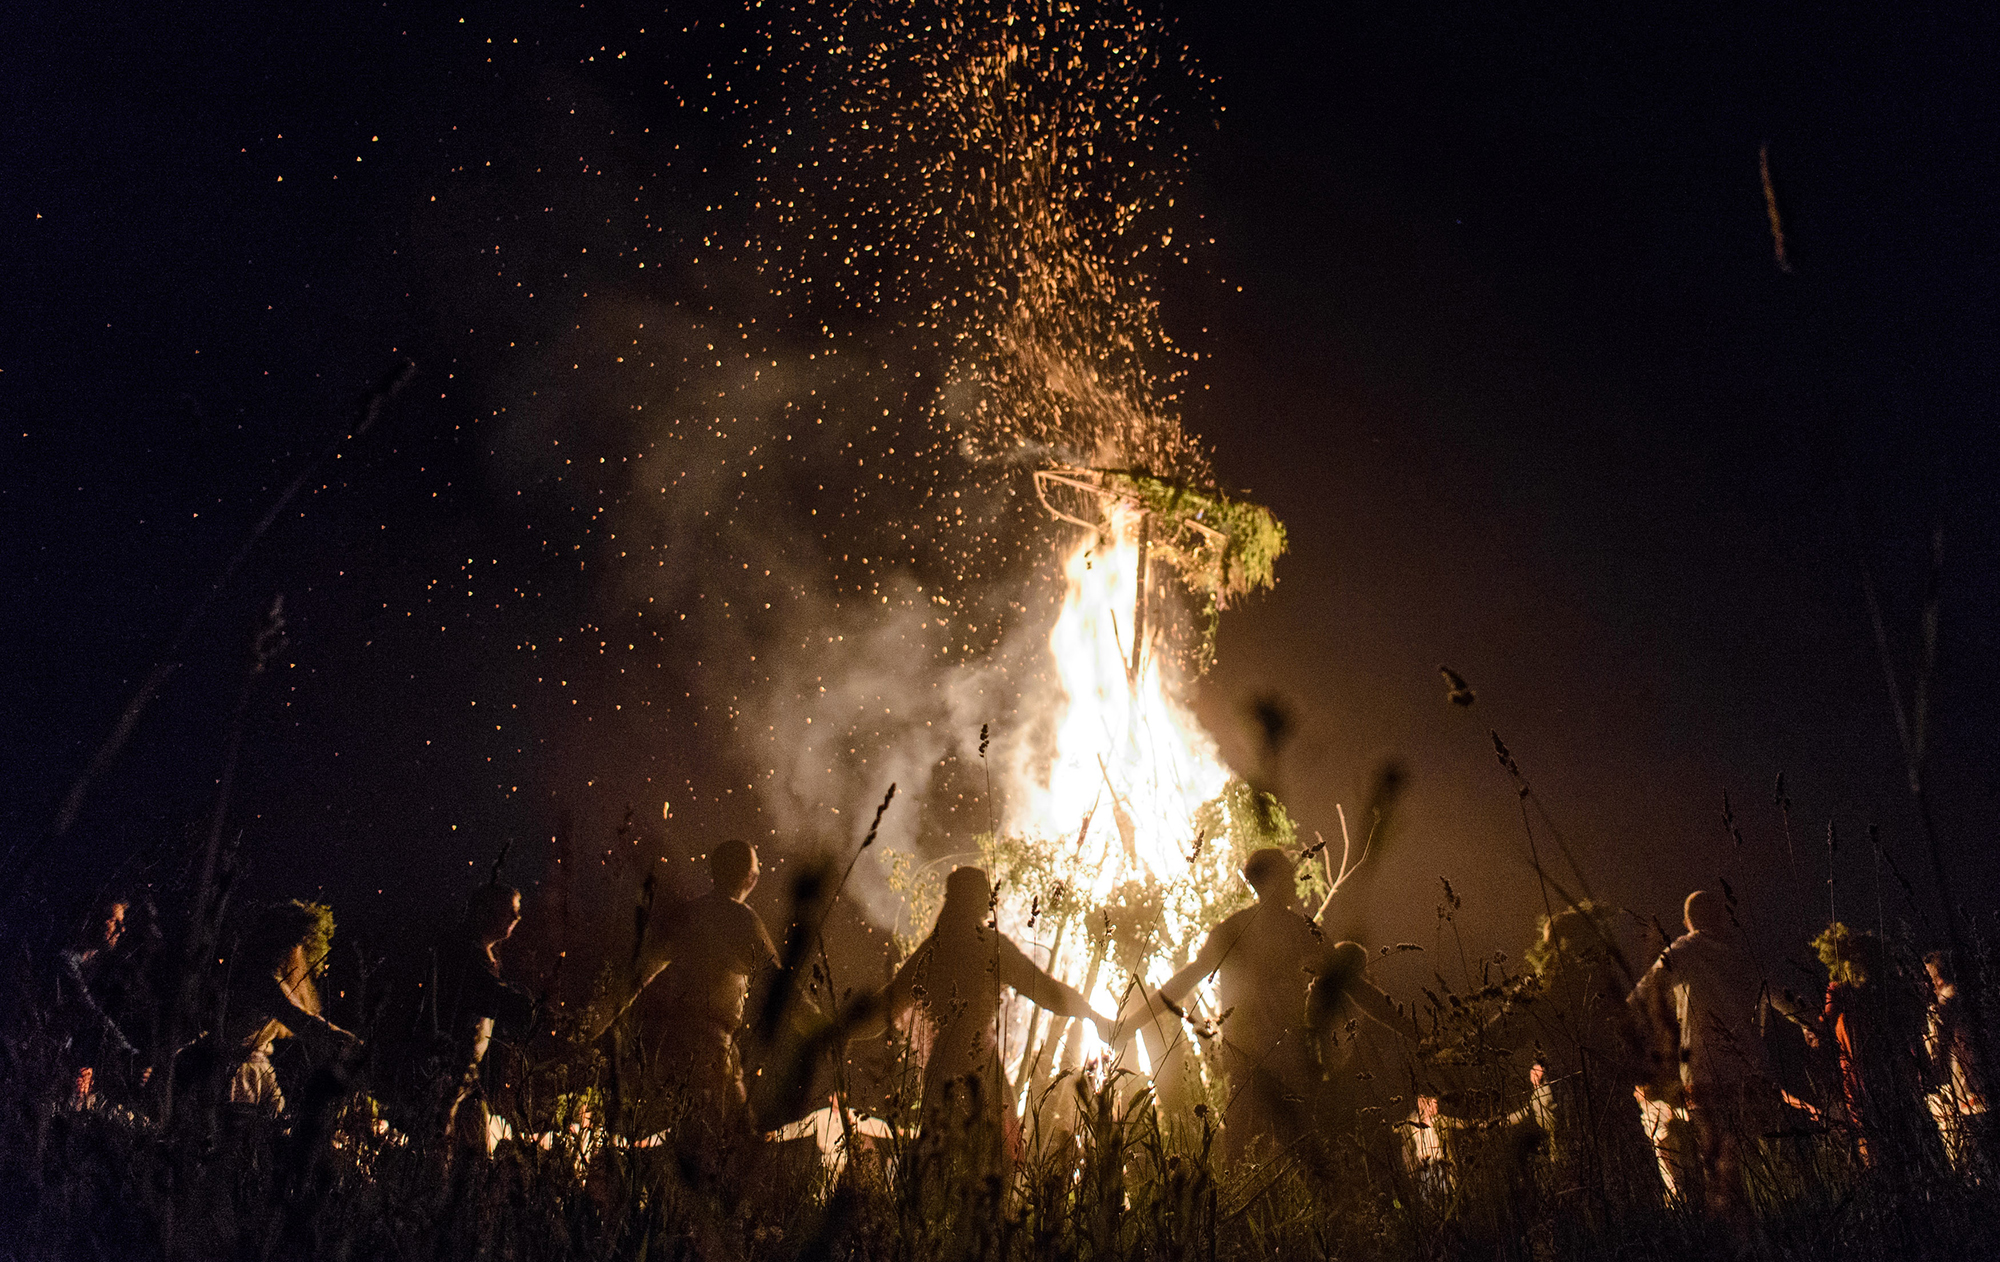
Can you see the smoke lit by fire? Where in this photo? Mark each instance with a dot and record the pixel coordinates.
(901, 260)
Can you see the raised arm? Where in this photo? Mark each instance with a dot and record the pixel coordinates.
(322, 1036)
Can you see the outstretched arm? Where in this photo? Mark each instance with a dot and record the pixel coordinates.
(321, 1036)
(72, 963)
(1014, 968)
(766, 973)
(1375, 1005)
(1799, 1013)
(898, 997)
(1206, 961)
(624, 989)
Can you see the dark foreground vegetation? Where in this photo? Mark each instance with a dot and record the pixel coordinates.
(128, 1132)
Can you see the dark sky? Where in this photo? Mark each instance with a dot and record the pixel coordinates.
(1510, 357)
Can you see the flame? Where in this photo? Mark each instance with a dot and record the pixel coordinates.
(1112, 799)
(1127, 751)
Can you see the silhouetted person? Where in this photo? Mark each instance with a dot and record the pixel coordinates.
(694, 977)
(271, 996)
(94, 1046)
(1572, 1019)
(472, 1002)
(952, 981)
(1710, 987)
(1874, 1024)
(1339, 991)
(1268, 957)
(1958, 1097)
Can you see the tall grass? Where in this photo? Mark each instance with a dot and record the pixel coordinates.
(357, 1168)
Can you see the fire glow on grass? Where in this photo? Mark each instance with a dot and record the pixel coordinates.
(1112, 810)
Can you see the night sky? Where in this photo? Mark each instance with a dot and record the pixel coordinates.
(1490, 320)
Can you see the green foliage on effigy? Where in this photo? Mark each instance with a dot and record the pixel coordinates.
(1135, 917)
(318, 940)
(1045, 880)
(1222, 548)
(1250, 818)
(1839, 950)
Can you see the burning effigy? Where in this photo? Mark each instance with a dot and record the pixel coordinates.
(1006, 178)
(1122, 827)
(1005, 184)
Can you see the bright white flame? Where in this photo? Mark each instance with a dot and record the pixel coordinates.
(1129, 767)
(1131, 757)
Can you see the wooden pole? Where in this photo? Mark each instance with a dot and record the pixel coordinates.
(1139, 602)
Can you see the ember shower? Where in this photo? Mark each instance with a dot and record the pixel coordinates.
(901, 452)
